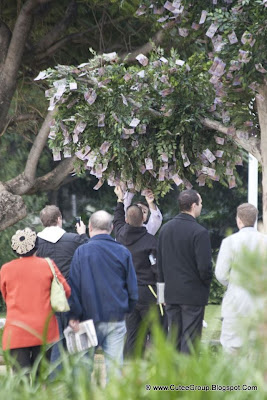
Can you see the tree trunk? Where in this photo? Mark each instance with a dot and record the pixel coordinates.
(262, 112)
(12, 208)
(13, 56)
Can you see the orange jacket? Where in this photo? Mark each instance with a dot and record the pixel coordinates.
(25, 285)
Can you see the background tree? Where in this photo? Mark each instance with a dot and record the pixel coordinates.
(146, 124)
(233, 36)
(35, 34)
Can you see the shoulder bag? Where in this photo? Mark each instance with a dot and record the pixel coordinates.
(58, 299)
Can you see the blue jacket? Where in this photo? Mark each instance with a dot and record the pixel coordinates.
(102, 280)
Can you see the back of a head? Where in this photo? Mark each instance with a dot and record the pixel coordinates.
(134, 216)
(49, 215)
(101, 221)
(187, 198)
(247, 213)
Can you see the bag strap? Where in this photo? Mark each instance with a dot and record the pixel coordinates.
(51, 267)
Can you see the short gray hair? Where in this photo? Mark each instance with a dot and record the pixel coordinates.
(101, 220)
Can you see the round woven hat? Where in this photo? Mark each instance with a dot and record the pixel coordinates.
(23, 241)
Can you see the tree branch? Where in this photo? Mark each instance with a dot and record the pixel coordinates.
(23, 182)
(55, 178)
(38, 146)
(73, 37)
(10, 67)
(23, 118)
(60, 43)
(252, 145)
(153, 112)
(49, 39)
(144, 49)
(12, 209)
(20, 35)
(5, 37)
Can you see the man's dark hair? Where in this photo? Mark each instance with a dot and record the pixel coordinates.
(49, 215)
(134, 215)
(187, 198)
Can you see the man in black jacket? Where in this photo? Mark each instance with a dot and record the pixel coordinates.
(184, 264)
(130, 232)
(59, 245)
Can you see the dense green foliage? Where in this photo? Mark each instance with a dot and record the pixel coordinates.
(141, 125)
(138, 124)
(216, 291)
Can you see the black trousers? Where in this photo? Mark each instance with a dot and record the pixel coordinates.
(26, 356)
(185, 324)
(133, 323)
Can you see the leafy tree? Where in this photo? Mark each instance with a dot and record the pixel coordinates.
(42, 32)
(233, 36)
(132, 124)
(35, 34)
(147, 125)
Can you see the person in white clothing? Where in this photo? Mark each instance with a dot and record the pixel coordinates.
(155, 220)
(237, 303)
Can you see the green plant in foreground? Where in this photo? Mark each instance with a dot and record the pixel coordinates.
(242, 376)
(162, 365)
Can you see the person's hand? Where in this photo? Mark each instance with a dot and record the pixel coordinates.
(119, 193)
(80, 228)
(74, 324)
(150, 199)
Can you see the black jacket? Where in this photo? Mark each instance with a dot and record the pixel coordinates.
(62, 251)
(141, 245)
(184, 261)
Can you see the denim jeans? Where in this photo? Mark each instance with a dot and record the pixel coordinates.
(111, 338)
(62, 320)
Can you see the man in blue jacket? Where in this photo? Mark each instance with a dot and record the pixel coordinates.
(184, 265)
(103, 287)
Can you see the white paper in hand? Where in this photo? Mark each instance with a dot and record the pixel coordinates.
(83, 339)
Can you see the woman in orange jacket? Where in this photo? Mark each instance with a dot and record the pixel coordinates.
(25, 285)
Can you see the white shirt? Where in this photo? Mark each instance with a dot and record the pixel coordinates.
(237, 302)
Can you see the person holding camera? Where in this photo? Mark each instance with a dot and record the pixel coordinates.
(59, 245)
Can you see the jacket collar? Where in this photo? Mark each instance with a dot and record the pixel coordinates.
(102, 236)
(186, 217)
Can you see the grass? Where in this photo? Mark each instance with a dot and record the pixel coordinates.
(213, 319)
(162, 365)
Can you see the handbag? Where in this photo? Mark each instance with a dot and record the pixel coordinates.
(58, 299)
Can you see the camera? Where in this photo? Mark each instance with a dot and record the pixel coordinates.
(78, 220)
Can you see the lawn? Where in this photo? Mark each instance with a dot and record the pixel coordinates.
(213, 319)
